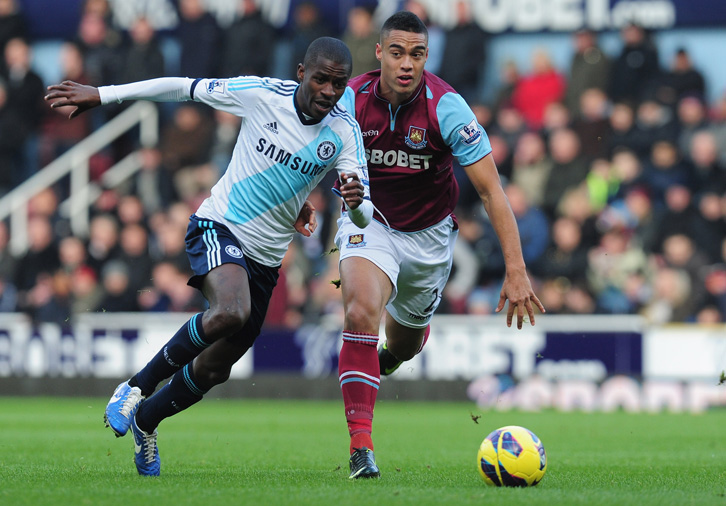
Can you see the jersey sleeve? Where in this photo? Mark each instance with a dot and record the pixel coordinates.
(468, 141)
(353, 157)
(234, 96)
(160, 89)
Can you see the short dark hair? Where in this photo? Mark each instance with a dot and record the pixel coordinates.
(404, 21)
(329, 48)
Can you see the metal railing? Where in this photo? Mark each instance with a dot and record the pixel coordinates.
(75, 162)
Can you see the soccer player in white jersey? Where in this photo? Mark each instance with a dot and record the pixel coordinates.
(291, 136)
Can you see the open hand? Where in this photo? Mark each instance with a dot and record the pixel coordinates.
(69, 93)
(518, 290)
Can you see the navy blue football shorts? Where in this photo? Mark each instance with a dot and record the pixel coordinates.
(211, 244)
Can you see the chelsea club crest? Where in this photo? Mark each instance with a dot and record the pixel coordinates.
(416, 137)
(326, 150)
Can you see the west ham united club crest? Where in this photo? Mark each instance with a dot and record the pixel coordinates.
(356, 241)
(416, 137)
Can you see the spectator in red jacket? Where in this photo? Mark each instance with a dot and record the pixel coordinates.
(534, 92)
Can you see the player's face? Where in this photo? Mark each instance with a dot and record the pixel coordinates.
(402, 56)
(322, 85)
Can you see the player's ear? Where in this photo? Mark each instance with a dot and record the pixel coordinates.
(379, 51)
(300, 72)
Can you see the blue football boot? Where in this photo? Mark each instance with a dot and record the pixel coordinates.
(122, 407)
(146, 453)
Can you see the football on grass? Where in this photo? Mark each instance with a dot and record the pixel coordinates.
(512, 457)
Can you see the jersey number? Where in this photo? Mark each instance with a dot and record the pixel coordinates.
(436, 297)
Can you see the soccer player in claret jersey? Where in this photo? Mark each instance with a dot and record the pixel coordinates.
(291, 136)
(413, 124)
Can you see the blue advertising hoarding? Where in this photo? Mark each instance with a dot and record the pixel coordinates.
(460, 348)
(498, 16)
(566, 363)
(53, 19)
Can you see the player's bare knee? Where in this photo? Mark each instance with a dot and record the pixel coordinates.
(360, 318)
(227, 319)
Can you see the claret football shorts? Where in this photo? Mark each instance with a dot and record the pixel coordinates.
(417, 263)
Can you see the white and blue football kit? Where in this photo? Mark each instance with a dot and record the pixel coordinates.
(280, 156)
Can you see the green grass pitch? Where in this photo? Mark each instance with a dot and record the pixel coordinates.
(57, 452)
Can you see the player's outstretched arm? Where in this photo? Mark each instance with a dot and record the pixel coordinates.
(517, 287)
(69, 93)
(161, 89)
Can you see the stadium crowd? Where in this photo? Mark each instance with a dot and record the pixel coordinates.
(615, 169)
